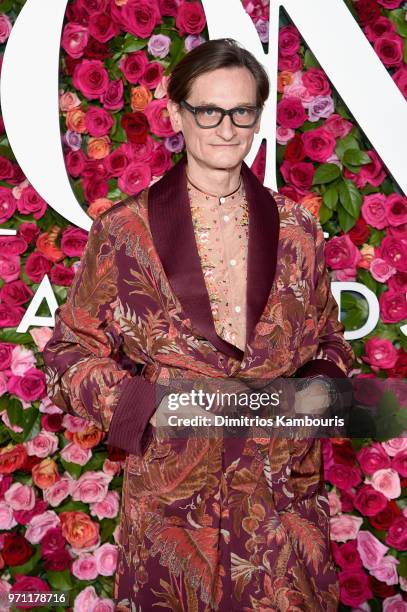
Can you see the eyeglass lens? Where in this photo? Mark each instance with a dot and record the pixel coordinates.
(210, 117)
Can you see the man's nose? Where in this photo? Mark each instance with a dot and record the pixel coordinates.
(226, 129)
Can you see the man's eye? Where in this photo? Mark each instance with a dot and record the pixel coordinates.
(209, 111)
(241, 111)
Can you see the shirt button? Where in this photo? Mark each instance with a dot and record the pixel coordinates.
(232, 262)
(226, 217)
(237, 308)
(222, 200)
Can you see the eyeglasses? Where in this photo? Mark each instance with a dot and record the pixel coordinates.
(211, 116)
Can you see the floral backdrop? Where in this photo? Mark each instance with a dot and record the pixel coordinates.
(59, 482)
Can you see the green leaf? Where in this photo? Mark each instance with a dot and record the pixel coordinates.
(346, 221)
(367, 279)
(6, 6)
(324, 214)
(134, 44)
(351, 198)
(72, 468)
(355, 157)
(330, 197)
(108, 526)
(11, 335)
(398, 17)
(310, 60)
(177, 50)
(15, 411)
(73, 506)
(61, 581)
(326, 173)
(349, 142)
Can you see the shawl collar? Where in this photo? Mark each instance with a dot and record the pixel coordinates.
(173, 235)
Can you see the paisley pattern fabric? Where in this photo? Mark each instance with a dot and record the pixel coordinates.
(206, 524)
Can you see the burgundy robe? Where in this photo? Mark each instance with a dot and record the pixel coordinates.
(204, 526)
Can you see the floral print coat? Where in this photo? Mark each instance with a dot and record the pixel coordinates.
(205, 525)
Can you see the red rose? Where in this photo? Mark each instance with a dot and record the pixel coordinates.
(399, 463)
(299, 174)
(397, 534)
(367, 10)
(136, 126)
(292, 63)
(62, 275)
(28, 231)
(117, 161)
(36, 266)
(115, 454)
(135, 178)
(319, 144)
(96, 50)
(390, 49)
(344, 476)
(29, 584)
(400, 368)
(373, 458)
(6, 168)
(51, 422)
(316, 82)
(6, 353)
(381, 25)
(15, 292)
(140, 17)
(75, 162)
(393, 307)
(31, 203)
(190, 18)
(288, 41)
(29, 387)
(91, 78)
(58, 561)
(354, 587)
(394, 251)
(24, 516)
(382, 520)
(390, 4)
(112, 99)
(160, 160)
(133, 66)
(369, 501)
(346, 498)
(168, 7)
(16, 550)
(346, 555)
(344, 454)
(12, 458)
(92, 6)
(294, 151)
(381, 589)
(400, 78)
(102, 27)
(291, 193)
(95, 188)
(152, 75)
(73, 241)
(291, 113)
(360, 232)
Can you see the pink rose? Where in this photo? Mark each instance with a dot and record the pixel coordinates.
(373, 173)
(20, 496)
(395, 603)
(386, 570)
(190, 18)
(321, 107)
(284, 135)
(75, 454)
(380, 352)
(91, 78)
(288, 41)
(15, 293)
(85, 599)
(390, 49)
(22, 360)
(8, 204)
(394, 251)
(103, 605)
(43, 444)
(9, 267)
(378, 27)
(390, 4)
(387, 481)
(61, 275)
(36, 266)
(74, 423)
(133, 66)
(393, 307)
(354, 587)
(135, 178)
(102, 27)
(316, 82)
(7, 520)
(108, 507)
(11, 316)
(344, 476)
(372, 458)
(73, 241)
(112, 98)
(84, 567)
(5, 28)
(91, 487)
(39, 525)
(6, 354)
(396, 209)
(160, 160)
(56, 493)
(370, 549)
(75, 37)
(68, 100)
(158, 117)
(106, 559)
(341, 252)
(98, 121)
(29, 584)
(400, 78)
(381, 270)
(319, 144)
(290, 113)
(31, 203)
(394, 446)
(299, 174)
(29, 387)
(140, 17)
(345, 527)
(374, 210)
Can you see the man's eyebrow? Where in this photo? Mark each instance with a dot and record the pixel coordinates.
(205, 103)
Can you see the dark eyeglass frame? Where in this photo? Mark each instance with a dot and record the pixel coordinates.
(195, 109)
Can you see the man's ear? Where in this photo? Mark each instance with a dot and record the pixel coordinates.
(175, 115)
(257, 128)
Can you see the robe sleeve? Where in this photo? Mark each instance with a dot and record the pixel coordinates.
(83, 370)
(334, 357)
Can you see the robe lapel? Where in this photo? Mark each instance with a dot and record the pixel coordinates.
(174, 238)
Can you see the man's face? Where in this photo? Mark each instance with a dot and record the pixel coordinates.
(226, 145)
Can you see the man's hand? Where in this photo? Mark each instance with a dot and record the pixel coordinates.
(314, 399)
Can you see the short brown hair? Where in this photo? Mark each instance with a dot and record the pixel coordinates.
(211, 55)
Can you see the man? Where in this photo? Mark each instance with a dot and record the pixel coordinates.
(208, 274)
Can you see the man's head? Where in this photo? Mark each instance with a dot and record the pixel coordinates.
(218, 73)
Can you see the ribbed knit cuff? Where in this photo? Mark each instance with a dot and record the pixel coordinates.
(130, 428)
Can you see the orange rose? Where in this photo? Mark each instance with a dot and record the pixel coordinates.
(46, 244)
(284, 78)
(12, 458)
(367, 252)
(98, 206)
(79, 529)
(89, 437)
(313, 202)
(140, 97)
(45, 473)
(98, 148)
(75, 120)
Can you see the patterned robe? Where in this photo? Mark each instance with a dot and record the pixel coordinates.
(205, 524)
